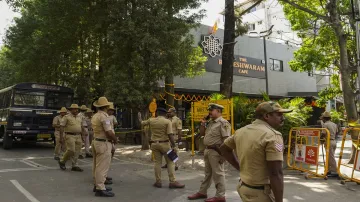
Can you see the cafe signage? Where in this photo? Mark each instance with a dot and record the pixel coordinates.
(243, 66)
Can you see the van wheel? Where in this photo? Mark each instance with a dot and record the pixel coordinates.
(7, 141)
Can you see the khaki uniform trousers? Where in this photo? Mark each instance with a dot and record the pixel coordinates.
(255, 195)
(58, 146)
(213, 171)
(87, 142)
(332, 161)
(159, 150)
(73, 145)
(101, 162)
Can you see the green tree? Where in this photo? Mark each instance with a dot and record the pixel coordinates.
(328, 34)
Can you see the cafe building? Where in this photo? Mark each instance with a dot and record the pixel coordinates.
(249, 69)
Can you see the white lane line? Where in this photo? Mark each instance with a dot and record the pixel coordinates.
(20, 169)
(24, 191)
(36, 164)
(116, 158)
(28, 163)
(84, 161)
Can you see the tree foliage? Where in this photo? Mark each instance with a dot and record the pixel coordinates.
(99, 47)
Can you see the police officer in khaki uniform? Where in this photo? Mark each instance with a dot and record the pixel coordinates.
(90, 137)
(114, 123)
(333, 129)
(162, 141)
(176, 127)
(73, 125)
(85, 139)
(104, 137)
(59, 146)
(217, 130)
(259, 147)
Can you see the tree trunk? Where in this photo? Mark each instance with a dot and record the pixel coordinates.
(348, 94)
(169, 88)
(226, 79)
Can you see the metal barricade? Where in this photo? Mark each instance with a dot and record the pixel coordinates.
(349, 172)
(305, 154)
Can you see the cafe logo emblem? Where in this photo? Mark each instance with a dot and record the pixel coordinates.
(212, 46)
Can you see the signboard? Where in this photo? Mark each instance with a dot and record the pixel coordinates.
(201, 109)
(311, 155)
(243, 66)
(357, 164)
(300, 152)
(309, 132)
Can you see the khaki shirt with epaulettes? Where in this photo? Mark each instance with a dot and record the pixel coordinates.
(160, 128)
(89, 125)
(101, 123)
(57, 121)
(73, 124)
(216, 131)
(332, 127)
(255, 144)
(113, 121)
(176, 124)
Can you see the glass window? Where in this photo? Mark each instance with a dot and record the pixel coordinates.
(276, 65)
(56, 100)
(26, 98)
(251, 27)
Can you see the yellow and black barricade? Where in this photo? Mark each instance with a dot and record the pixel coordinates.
(349, 172)
(306, 151)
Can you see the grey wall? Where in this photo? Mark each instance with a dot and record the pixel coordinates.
(280, 83)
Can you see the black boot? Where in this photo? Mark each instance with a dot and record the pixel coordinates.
(109, 178)
(108, 182)
(62, 165)
(104, 193)
(107, 188)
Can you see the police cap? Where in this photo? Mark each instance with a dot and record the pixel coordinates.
(215, 106)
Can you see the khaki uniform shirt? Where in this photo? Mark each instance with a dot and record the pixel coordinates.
(332, 127)
(101, 123)
(88, 123)
(254, 145)
(176, 124)
(73, 124)
(160, 128)
(216, 131)
(57, 121)
(113, 121)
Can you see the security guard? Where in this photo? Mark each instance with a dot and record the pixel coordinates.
(104, 137)
(114, 123)
(161, 135)
(217, 130)
(89, 138)
(176, 127)
(85, 139)
(333, 129)
(259, 147)
(56, 124)
(73, 125)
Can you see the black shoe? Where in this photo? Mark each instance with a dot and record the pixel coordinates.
(107, 188)
(103, 193)
(109, 178)
(176, 168)
(88, 156)
(81, 157)
(333, 175)
(57, 158)
(62, 165)
(165, 166)
(108, 182)
(77, 169)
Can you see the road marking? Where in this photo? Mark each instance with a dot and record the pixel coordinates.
(116, 158)
(24, 191)
(85, 161)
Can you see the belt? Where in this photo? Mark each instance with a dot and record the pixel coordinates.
(101, 140)
(67, 133)
(253, 187)
(160, 141)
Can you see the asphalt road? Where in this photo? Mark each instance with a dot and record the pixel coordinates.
(29, 174)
